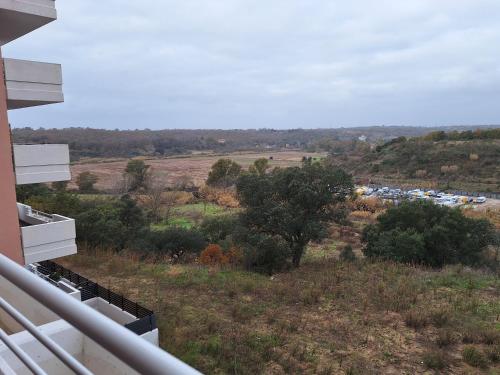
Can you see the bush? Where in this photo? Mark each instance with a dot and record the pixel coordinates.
(415, 319)
(177, 241)
(425, 233)
(493, 353)
(347, 254)
(434, 360)
(213, 256)
(474, 357)
(445, 338)
(217, 228)
(265, 254)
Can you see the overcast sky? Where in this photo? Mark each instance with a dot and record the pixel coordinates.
(279, 63)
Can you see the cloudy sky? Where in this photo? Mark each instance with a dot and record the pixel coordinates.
(279, 63)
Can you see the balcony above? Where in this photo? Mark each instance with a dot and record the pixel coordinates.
(20, 17)
(41, 163)
(45, 236)
(31, 83)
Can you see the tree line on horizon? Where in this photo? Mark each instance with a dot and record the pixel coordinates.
(88, 142)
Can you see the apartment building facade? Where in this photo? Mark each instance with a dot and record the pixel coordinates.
(44, 308)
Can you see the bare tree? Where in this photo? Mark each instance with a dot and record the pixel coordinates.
(155, 196)
(184, 182)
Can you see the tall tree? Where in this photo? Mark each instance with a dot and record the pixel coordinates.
(137, 173)
(294, 204)
(224, 173)
(86, 182)
(260, 166)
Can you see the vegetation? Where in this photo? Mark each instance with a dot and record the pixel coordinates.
(86, 142)
(421, 232)
(85, 182)
(461, 160)
(224, 173)
(326, 317)
(136, 174)
(293, 204)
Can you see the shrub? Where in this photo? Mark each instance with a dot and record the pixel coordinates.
(493, 353)
(474, 357)
(445, 338)
(265, 254)
(213, 256)
(434, 360)
(440, 317)
(415, 319)
(235, 255)
(86, 181)
(425, 233)
(177, 241)
(347, 254)
(217, 228)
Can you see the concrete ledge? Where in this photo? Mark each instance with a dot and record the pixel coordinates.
(46, 236)
(31, 83)
(41, 163)
(20, 17)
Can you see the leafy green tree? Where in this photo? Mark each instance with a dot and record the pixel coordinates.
(224, 173)
(425, 233)
(131, 215)
(24, 192)
(260, 166)
(100, 226)
(114, 223)
(294, 204)
(62, 203)
(86, 181)
(137, 174)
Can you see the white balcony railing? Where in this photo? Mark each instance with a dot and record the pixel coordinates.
(41, 163)
(31, 83)
(84, 341)
(45, 236)
(20, 17)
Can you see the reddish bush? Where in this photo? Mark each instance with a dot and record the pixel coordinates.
(213, 256)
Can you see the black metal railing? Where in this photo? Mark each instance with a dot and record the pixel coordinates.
(146, 320)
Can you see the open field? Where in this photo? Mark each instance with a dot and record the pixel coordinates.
(328, 317)
(197, 167)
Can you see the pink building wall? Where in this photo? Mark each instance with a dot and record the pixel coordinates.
(10, 233)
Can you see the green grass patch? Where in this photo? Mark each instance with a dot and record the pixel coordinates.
(462, 280)
(205, 209)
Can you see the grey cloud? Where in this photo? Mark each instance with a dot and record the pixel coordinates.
(281, 63)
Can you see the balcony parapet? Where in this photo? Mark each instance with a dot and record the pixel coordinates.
(41, 163)
(31, 83)
(45, 236)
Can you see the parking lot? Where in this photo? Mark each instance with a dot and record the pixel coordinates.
(438, 197)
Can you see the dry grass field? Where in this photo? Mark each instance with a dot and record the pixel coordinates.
(328, 317)
(197, 167)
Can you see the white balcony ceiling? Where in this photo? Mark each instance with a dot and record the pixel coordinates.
(20, 17)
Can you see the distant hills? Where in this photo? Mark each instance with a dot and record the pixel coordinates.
(88, 142)
(461, 160)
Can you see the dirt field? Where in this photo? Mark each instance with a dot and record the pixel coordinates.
(197, 166)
